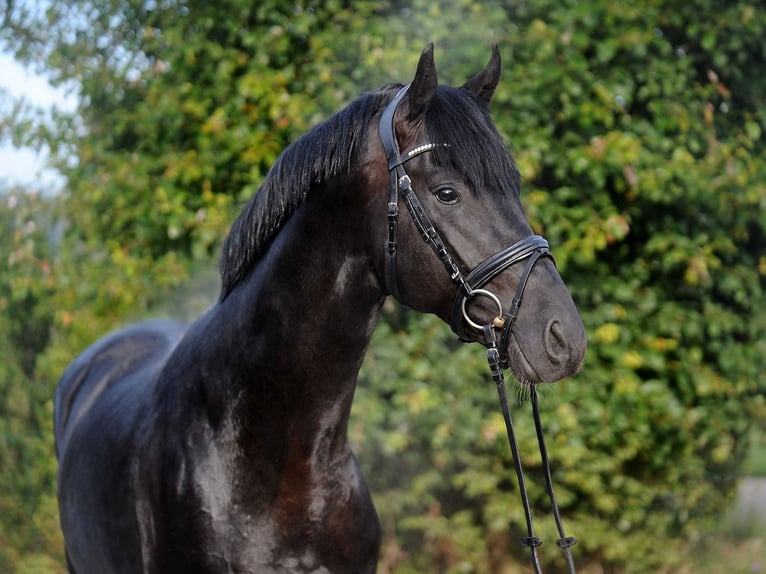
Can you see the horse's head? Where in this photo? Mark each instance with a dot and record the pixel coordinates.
(457, 242)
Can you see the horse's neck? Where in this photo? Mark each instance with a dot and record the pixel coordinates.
(281, 353)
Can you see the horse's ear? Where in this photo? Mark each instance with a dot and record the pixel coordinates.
(423, 85)
(483, 84)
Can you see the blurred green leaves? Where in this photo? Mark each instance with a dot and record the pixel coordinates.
(639, 133)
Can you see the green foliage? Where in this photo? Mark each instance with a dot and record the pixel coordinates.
(756, 460)
(27, 278)
(639, 132)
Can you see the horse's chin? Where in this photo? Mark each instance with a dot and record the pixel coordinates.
(521, 367)
(530, 372)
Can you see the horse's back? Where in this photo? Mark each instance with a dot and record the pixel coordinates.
(132, 354)
(101, 403)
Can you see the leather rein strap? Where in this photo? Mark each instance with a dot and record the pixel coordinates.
(528, 249)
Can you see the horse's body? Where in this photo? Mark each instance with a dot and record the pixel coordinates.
(223, 448)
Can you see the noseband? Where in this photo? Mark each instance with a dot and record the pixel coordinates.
(469, 286)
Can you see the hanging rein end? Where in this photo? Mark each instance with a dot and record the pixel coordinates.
(496, 366)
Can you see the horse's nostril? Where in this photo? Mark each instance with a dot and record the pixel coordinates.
(555, 344)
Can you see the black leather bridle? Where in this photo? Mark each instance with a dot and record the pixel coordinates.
(472, 285)
(529, 249)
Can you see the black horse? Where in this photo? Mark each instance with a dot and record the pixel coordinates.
(223, 447)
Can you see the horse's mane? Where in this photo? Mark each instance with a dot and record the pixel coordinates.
(324, 152)
(331, 148)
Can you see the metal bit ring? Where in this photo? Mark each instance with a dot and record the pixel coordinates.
(485, 293)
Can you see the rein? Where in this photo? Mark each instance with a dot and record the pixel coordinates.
(529, 249)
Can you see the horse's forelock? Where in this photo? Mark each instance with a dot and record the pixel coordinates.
(476, 149)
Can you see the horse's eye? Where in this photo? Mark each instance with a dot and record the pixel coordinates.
(447, 195)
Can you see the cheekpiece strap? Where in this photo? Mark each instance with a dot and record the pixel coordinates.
(401, 185)
(391, 146)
